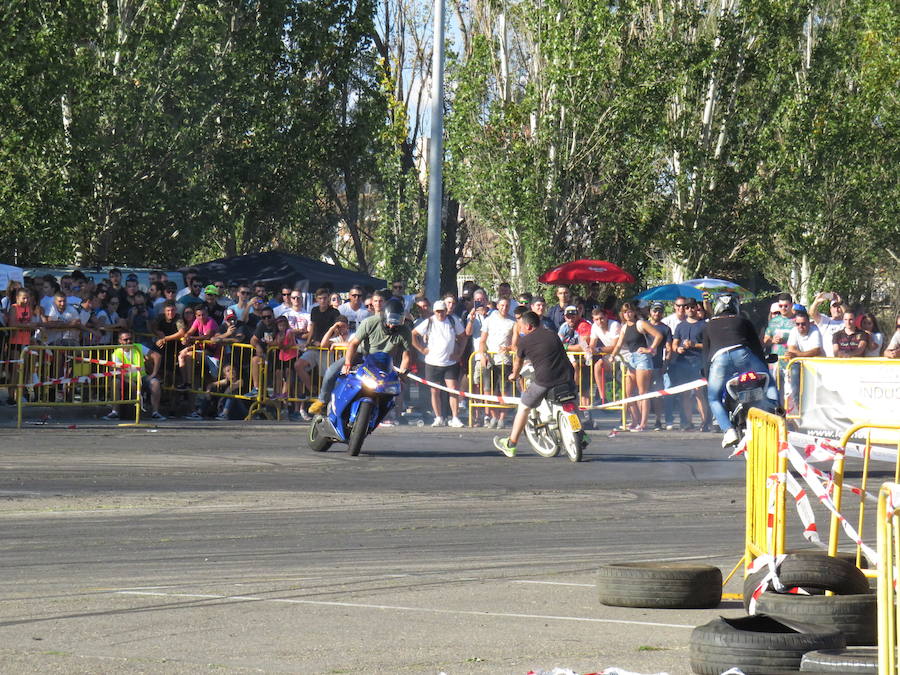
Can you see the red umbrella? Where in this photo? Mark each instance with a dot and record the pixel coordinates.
(586, 271)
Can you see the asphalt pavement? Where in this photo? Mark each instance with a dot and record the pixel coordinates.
(231, 547)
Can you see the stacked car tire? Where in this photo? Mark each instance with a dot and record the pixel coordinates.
(824, 604)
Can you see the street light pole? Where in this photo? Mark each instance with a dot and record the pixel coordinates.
(436, 156)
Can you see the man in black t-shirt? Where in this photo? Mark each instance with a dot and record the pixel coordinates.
(321, 318)
(551, 368)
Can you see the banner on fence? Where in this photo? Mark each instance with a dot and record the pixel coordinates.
(836, 394)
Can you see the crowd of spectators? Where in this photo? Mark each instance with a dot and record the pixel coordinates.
(287, 334)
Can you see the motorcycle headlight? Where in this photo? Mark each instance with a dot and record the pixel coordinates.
(369, 382)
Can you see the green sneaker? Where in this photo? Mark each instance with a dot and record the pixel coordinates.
(504, 446)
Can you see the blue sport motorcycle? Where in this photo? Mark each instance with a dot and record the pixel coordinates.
(361, 399)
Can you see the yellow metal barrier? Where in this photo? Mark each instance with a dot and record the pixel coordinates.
(838, 478)
(888, 533)
(12, 341)
(210, 370)
(490, 380)
(66, 376)
(765, 510)
(295, 379)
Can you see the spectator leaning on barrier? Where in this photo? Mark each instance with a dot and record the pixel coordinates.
(828, 325)
(134, 355)
(263, 338)
(21, 314)
(851, 342)
(321, 318)
(575, 334)
(168, 328)
(63, 316)
(604, 336)
(893, 348)
(203, 328)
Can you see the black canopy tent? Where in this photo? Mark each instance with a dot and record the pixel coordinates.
(276, 269)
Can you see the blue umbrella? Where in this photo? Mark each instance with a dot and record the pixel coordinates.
(670, 292)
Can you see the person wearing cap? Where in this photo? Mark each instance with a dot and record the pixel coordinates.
(575, 334)
(441, 339)
(828, 325)
(216, 311)
(382, 332)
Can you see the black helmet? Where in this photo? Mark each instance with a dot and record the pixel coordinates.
(726, 304)
(393, 312)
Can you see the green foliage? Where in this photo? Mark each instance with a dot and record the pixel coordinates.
(181, 131)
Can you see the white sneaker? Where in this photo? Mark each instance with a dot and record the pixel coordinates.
(456, 423)
(730, 438)
(438, 422)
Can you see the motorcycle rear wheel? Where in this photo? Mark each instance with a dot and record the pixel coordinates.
(571, 439)
(540, 437)
(317, 441)
(360, 428)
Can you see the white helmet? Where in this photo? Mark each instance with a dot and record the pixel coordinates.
(726, 304)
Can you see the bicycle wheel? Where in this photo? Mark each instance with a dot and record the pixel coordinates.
(540, 437)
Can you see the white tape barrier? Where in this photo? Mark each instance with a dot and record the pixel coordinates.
(515, 400)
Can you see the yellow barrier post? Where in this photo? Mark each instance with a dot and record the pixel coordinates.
(888, 534)
(764, 532)
(838, 479)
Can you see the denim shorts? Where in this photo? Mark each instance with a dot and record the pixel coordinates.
(638, 361)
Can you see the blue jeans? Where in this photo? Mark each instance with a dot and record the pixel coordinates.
(722, 369)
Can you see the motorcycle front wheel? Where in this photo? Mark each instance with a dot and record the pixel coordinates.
(360, 428)
(571, 439)
(540, 437)
(317, 441)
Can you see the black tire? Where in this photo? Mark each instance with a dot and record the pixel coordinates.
(856, 616)
(856, 660)
(757, 645)
(849, 556)
(316, 441)
(660, 585)
(360, 428)
(812, 572)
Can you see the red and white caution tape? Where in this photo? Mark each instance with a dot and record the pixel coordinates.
(829, 445)
(804, 469)
(114, 364)
(81, 379)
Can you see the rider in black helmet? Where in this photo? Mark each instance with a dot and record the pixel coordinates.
(382, 332)
(731, 346)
